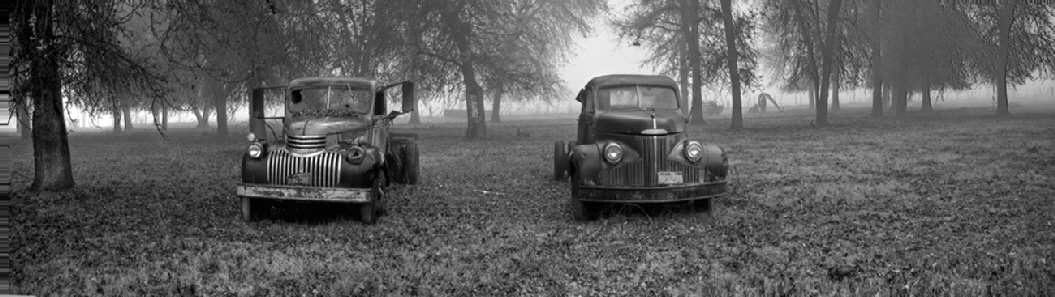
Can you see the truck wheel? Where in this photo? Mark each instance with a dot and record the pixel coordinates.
(368, 212)
(704, 205)
(410, 163)
(560, 160)
(254, 209)
(580, 211)
(395, 167)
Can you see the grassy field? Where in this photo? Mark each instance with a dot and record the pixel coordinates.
(952, 203)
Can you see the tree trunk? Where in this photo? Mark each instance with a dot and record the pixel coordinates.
(474, 100)
(1007, 19)
(24, 122)
(877, 62)
(734, 72)
(888, 94)
(164, 117)
(474, 103)
(415, 117)
(127, 111)
(496, 103)
(221, 113)
(925, 89)
(117, 118)
(202, 114)
(51, 148)
(690, 28)
(836, 77)
(683, 73)
(900, 98)
(813, 94)
(827, 60)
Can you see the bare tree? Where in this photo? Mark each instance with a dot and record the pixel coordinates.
(61, 47)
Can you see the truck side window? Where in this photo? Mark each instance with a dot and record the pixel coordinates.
(296, 97)
(603, 100)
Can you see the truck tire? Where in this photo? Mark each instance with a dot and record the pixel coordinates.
(560, 160)
(410, 163)
(254, 209)
(704, 205)
(394, 163)
(369, 211)
(580, 210)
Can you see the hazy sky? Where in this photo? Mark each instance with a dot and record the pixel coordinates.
(602, 54)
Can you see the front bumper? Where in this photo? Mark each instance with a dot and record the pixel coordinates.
(320, 194)
(676, 193)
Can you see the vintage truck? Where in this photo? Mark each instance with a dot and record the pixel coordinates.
(334, 146)
(632, 147)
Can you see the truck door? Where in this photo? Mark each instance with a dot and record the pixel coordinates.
(586, 116)
(266, 111)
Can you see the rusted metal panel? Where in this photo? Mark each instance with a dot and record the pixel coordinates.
(360, 195)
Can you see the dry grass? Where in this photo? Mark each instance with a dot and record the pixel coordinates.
(953, 203)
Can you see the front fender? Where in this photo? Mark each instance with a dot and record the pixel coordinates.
(586, 162)
(712, 158)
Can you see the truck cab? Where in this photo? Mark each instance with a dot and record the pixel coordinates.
(333, 146)
(632, 147)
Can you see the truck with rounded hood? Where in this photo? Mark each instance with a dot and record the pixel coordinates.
(633, 147)
(333, 146)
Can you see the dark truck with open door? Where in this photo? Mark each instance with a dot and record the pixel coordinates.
(334, 146)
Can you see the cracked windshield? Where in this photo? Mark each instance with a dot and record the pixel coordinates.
(330, 100)
(636, 98)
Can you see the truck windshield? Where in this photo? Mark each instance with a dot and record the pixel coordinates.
(636, 98)
(330, 100)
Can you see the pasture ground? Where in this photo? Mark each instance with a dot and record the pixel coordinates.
(951, 203)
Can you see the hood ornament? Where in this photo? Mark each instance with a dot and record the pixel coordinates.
(655, 129)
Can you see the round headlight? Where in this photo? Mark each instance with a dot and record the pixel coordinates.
(354, 154)
(613, 152)
(252, 137)
(693, 151)
(255, 150)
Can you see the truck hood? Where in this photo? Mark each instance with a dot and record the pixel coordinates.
(314, 125)
(633, 122)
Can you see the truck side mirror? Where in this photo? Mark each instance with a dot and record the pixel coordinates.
(408, 97)
(581, 95)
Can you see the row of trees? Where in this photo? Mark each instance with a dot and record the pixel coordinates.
(202, 56)
(894, 47)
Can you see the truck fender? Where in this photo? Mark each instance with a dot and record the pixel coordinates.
(586, 162)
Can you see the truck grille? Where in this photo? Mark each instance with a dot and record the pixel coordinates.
(306, 142)
(325, 168)
(644, 172)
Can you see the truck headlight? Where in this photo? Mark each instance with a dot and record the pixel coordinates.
(251, 137)
(613, 153)
(693, 151)
(354, 155)
(255, 150)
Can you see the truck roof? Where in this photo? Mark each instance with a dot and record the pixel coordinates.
(623, 79)
(317, 81)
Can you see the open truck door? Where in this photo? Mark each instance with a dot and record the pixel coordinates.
(259, 100)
